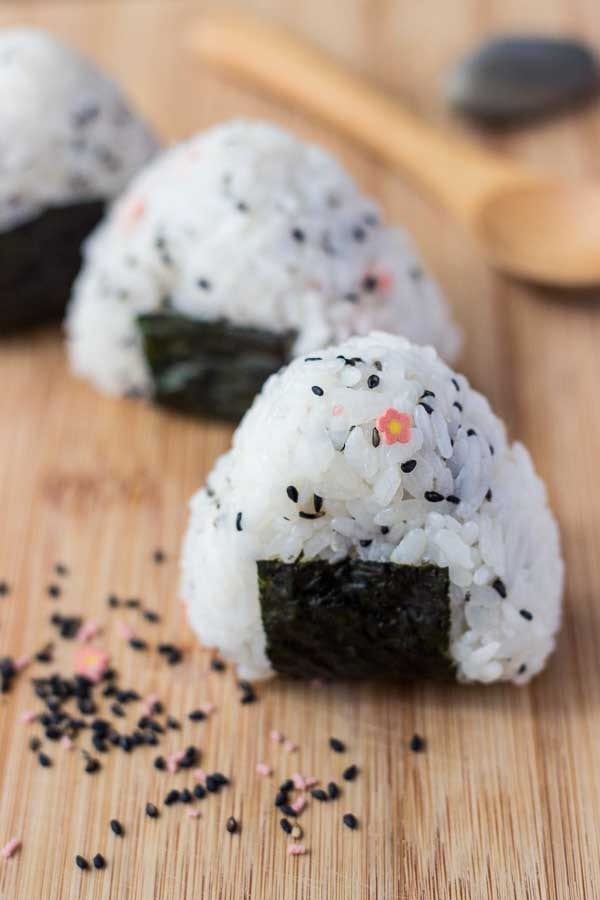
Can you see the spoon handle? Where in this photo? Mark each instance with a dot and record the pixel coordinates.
(455, 171)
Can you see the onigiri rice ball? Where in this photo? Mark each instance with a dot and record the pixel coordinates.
(230, 254)
(69, 143)
(371, 520)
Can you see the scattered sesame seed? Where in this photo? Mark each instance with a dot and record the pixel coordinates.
(319, 794)
(350, 821)
(92, 765)
(375, 437)
(458, 406)
(4, 588)
(313, 359)
(204, 283)
(369, 283)
(199, 791)
(99, 861)
(151, 616)
(298, 235)
(197, 715)
(60, 569)
(500, 587)
(350, 773)
(116, 827)
(292, 493)
(489, 495)
(417, 743)
(112, 600)
(433, 497)
(132, 603)
(366, 542)
(231, 825)
(317, 391)
(317, 502)
(337, 745)
(384, 529)
(44, 760)
(427, 394)
(333, 790)
(81, 862)
(359, 234)
(428, 409)
(217, 665)
(452, 498)
(526, 614)
(372, 381)
(471, 432)
(172, 797)
(286, 826)
(456, 384)
(522, 669)
(408, 466)
(238, 522)
(53, 590)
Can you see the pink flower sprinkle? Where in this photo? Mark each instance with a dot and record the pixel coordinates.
(299, 782)
(91, 662)
(276, 736)
(132, 212)
(385, 280)
(394, 427)
(264, 769)
(290, 746)
(27, 716)
(207, 708)
(199, 775)
(88, 631)
(173, 761)
(296, 850)
(192, 813)
(299, 803)
(310, 781)
(9, 849)
(124, 631)
(21, 662)
(66, 742)
(337, 410)
(150, 703)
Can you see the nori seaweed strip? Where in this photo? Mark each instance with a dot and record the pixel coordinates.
(39, 261)
(209, 368)
(356, 619)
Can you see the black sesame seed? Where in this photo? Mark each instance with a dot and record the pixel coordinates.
(317, 391)
(350, 821)
(231, 825)
(196, 715)
(522, 669)
(112, 600)
(298, 235)
(337, 745)
(305, 515)
(292, 493)
(428, 409)
(427, 394)
(369, 283)
(288, 810)
(489, 495)
(44, 760)
(34, 744)
(238, 522)
(117, 709)
(53, 590)
(281, 798)
(286, 826)
(313, 359)
(4, 588)
(116, 827)
(186, 796)
(366, 542)
(132, 603)
(384, 529)
(151, 810)
(500, 587)
(151, 616)
(92, 765)
(333, 790)
(319, 794)
(350, 773)
(526, 614)
(61, 570)
(372, 381)
(471, 432)
(409, 466)
(451, 498)
(351, 297)
(375, 437)
(81, 862)
(287, 785)
(172, 722)
(99, 861)
(456, 384)
(417, 743)
(172, 797)
(212, 785)
(317, 502)
(217, 665)
(241, 206)
(204, 283)
(137, 644)
(458, 406)
(359, 234)
(433, 497)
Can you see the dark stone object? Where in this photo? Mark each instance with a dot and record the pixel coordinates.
(356, 619)
(209, 368)
(40, 260)
(515, 78)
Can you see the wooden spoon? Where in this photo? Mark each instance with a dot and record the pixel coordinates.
(530, 225)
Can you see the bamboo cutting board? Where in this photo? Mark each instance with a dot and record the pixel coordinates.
(504, 802)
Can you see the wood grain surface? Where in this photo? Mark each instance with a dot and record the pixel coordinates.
(504, 802)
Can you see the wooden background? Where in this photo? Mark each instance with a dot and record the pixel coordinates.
(504, 804)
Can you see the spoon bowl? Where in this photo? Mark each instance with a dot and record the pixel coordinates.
(530, 225)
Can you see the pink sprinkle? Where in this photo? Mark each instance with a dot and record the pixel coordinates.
(199, 775)
(385, 280)
(173, 761)
(21, 662)
(9, 849)
(27, 716)
(150, 704)
(299, 803)
(337, 410)
(124, 631)
(276, 736)
(92, 662)
(192, 813)
(133, 212)
(88, 631)
(290, 746)
(208, 708)
(264, 769)
(299, 782)
(66, 742)
(296, 850)
(311, 781)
